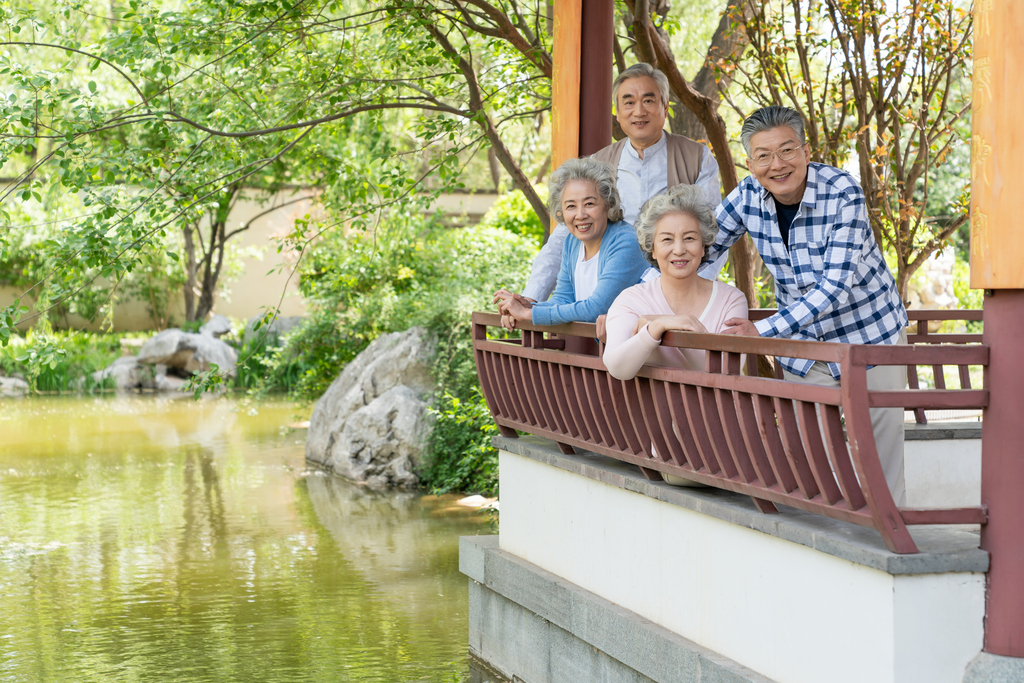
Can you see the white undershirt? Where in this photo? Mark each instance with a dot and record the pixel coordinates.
(586, 275)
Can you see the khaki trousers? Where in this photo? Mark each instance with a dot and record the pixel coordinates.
(887, 423)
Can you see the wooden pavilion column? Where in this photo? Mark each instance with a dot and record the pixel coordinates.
(581, 88)
(997, 266)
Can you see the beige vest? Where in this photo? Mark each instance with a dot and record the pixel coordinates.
(684, 157)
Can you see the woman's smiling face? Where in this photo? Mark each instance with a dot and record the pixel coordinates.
(585, 213)
(678, 246)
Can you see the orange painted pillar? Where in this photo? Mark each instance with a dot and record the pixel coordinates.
(997, 266)
(565, 81)
(581, 88)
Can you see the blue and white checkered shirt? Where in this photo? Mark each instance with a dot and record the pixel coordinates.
(832, 283)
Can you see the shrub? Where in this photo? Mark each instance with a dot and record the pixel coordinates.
(412, 271)
(60, 361)
(512, 213)
(459, 453)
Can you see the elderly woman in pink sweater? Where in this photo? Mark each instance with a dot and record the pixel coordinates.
(674, 230)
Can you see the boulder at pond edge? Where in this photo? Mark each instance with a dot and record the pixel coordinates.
(372, 423)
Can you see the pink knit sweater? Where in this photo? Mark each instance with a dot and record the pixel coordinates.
(626, 352)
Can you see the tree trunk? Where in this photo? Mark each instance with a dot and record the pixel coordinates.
(727, 44)
(652, 48)
(190, 275)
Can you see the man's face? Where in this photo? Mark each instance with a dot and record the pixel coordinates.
(640, 111)
(785, 179)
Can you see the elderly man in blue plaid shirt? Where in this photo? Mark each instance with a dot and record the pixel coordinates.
(809, 223)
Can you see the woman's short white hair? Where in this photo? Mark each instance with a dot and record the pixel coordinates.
(688, 199)
(598, 172)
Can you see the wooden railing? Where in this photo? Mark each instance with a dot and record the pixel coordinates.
(921, 322)
(779, 442)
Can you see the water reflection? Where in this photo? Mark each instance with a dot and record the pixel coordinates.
(143, 539)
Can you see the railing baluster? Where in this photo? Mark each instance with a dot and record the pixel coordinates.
(582, 408)
(636, 420)
(606, 399)
(733, 436)
(769, 429)
(840, 457)
(790, 431)
(616, 388)
(752, 437)
(716, 433)
(527, 390)
(570, 415)
(665, 424)
(595, 408)
(695, 416)
(939, 376)
(659, 447)
(499, 386)
(815, 449)
(515, 398)
(685, 430)
(551, 396)
(965, 376)
(914, 382)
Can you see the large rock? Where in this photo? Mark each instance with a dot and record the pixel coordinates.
(188, 352)
(126, 373)
(217, 326)
(13, 386)
(372, 423)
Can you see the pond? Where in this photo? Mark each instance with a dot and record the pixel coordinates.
(146, 539)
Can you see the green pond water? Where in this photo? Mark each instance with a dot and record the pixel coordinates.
(146, 539)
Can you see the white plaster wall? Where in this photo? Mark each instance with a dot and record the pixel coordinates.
(943, 473)
(791, 613)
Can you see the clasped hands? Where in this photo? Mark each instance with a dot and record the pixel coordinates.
(513, 308)
(658, 325)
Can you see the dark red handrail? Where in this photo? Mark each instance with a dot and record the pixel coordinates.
(779, 442)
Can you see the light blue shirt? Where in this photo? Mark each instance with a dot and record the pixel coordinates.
(640, 179)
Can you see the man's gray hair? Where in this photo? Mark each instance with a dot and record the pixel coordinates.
(639, 70)
(767, 118)
(688, 199)
(598, 172)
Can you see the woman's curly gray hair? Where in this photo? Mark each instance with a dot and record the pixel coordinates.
(688, 199)
(598, 172)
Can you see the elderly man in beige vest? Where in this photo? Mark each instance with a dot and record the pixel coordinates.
(648, 160)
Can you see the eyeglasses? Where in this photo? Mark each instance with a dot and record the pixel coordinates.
(765, 158)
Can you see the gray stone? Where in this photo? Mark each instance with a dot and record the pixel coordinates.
(188, 352)
(276, 329)
(11, 387)
(937, 431)
(990, 668)
(382, 443)
(126, 373)
(217, 326)
(519, 624)
(372, 423)
(941, 549)
(169, 383)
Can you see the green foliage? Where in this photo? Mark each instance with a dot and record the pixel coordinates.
(130, 131)
(459, 454)
(59, 361)
(513, 213)
(412, 271)
(967, 297)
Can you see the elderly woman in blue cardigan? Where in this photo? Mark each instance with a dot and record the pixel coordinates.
(601, 256)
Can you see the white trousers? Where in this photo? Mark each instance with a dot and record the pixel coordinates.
(887, 423)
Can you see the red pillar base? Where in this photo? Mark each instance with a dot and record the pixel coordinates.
(1002, 472)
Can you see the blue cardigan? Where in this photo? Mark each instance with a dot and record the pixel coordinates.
(620, 264)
